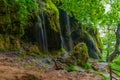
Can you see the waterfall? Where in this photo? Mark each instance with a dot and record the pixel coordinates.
(41, 29)
(65, 31)
(66, 38)
(69, 33)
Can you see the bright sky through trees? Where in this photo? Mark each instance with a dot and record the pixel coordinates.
(107, 8)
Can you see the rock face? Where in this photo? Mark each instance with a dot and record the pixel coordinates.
(52, 26)
(79, 33)
(25, 32)
(9, 26)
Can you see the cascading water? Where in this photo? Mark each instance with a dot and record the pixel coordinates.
(66, 38)
(69, 33)
(41, 29)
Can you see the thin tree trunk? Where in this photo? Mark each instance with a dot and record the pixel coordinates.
(108, 45)
(116, 51)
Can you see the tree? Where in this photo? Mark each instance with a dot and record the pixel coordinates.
(113, 18)
(92, 13)
(89, 13)
(116, 51)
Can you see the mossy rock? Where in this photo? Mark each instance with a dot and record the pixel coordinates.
(8, 42)
(52, 14)
(96, 36)
(2, 42)
(78, 57)
(93, 50)
(80, 54)
(34, 49)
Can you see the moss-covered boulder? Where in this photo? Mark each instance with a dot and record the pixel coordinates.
(80, 54)
(78, 57)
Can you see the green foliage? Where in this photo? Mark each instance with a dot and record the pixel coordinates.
(108, 38)
(70, 67)
(56, 1)
(24, 9)
(63, 50)
(111, 17)
(102, 74)
(116, 65)
(114, 15)
(93, 12)
(86, 12)
(117, 60)
(87, 66)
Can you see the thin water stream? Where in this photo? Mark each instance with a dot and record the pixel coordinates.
(43, 30)
(66, 39)
(69, 33)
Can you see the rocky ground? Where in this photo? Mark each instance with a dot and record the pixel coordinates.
(28, 68)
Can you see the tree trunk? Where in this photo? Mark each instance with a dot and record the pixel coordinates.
(116, 51)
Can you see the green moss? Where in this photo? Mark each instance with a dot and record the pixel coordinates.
(96, 36)
(4, 19)
(55, 52)
(51, 8)
(80, 53)
(7, 42)
(56, 1)
(93, 49)
(16, 11)
(2, 42)
(87, 66)
(34, 49)
(70, 67)
(53, 15)
(98, 40)
(63, 50)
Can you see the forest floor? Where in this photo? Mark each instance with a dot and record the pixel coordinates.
(28, 68)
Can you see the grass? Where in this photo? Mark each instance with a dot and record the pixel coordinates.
(103, 75)
(116, 65)
(70, 67)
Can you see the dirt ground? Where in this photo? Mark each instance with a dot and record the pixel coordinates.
(14, 73)
(12, 68)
